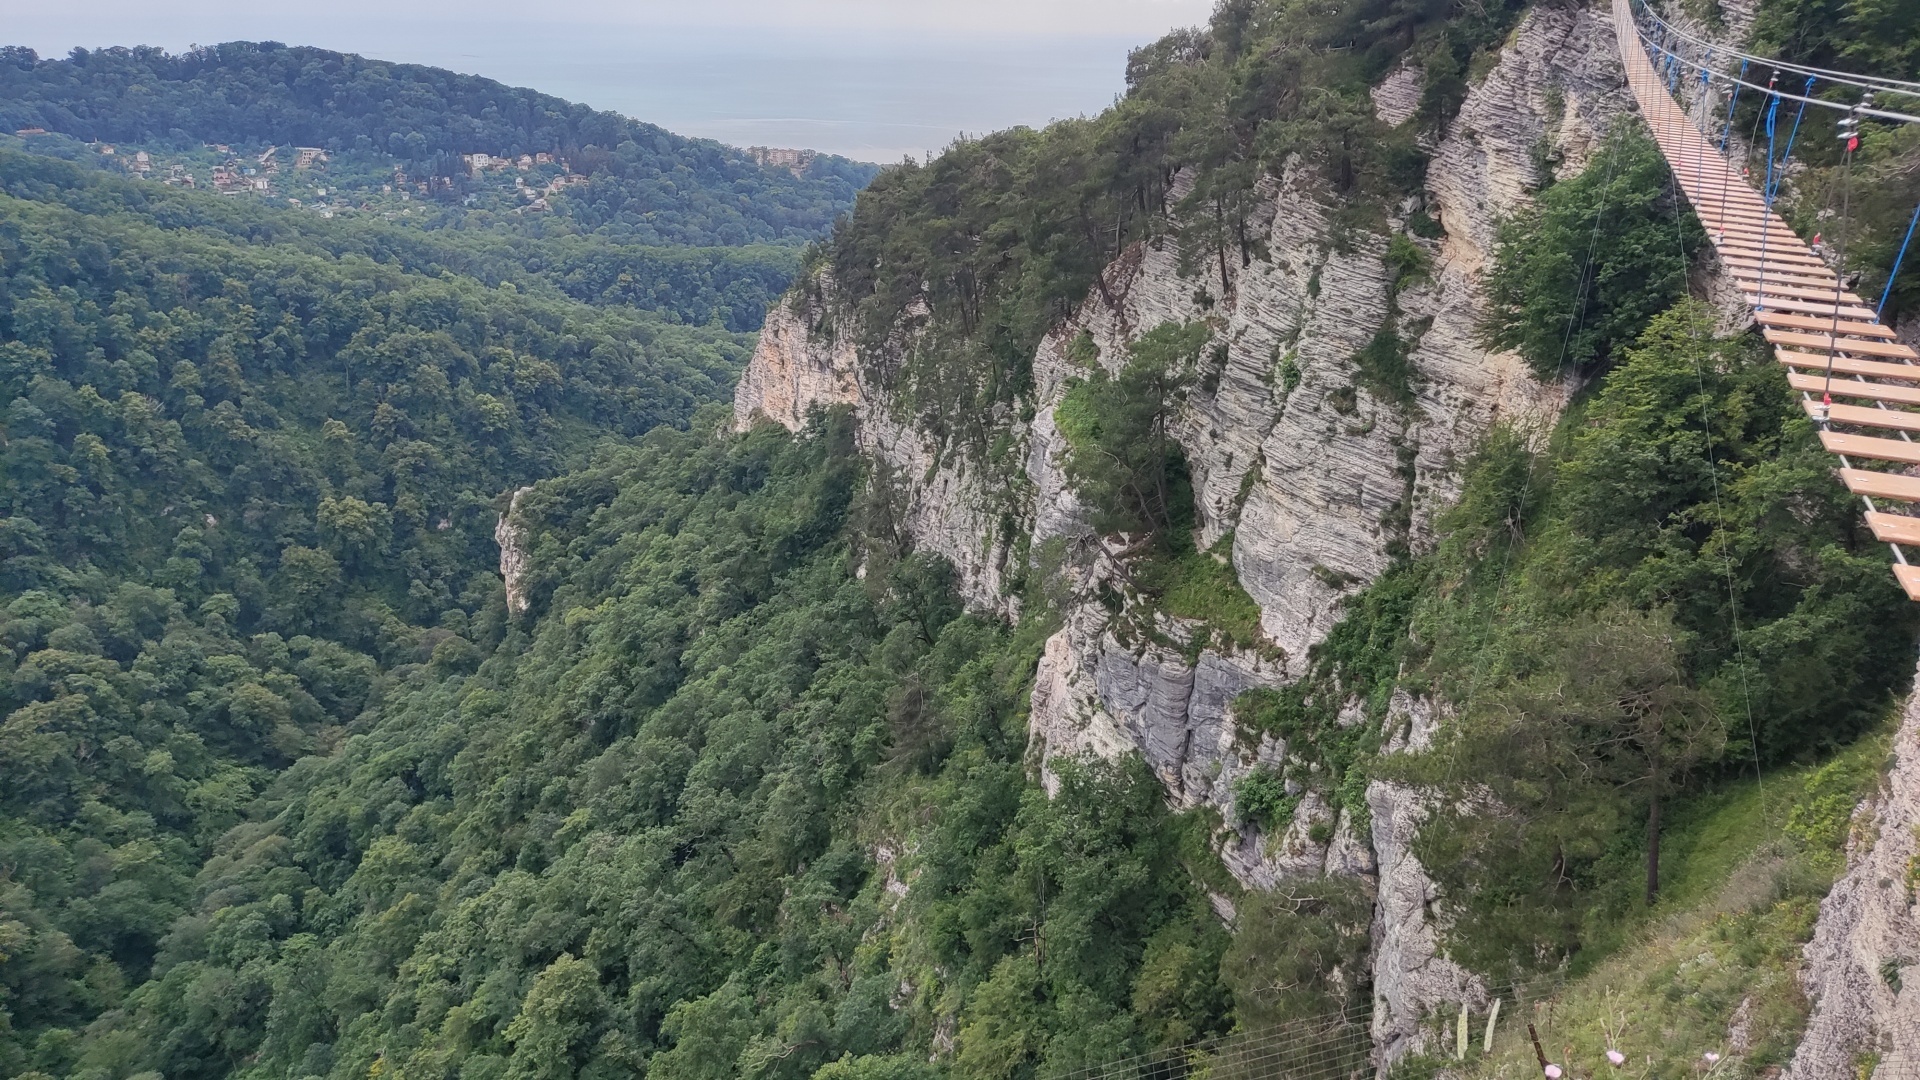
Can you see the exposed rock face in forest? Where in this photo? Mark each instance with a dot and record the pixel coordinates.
(512, 538)
(1317, 480)
(1868, 930)
(796, 369)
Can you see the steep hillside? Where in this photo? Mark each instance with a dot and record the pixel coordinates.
(1368, 294)
(733, 286)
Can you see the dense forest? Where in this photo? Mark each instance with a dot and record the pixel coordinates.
(720, 806)
(241, 482)
(731, 286)
(744, 791)
(647, 184)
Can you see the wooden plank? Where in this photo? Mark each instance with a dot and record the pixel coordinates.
(1768, 239)
(1855, 346)
(1894, 528)
(1854, 388)
(1827, 325)
(1804, 277)
(1769, 227)
(1733, 206)
(1909, 577)
(1866, 446)
(1808, 307)
(1879, 485)
(1770, 231)
(1713, 217)
(1860, 416)
(1760, 241)
(1706, 182)
(1772, 286)
(1791, 273)
(1734, 221)
(1779, 253)
(1847, 365)
(1775, 254)
(1774, 260)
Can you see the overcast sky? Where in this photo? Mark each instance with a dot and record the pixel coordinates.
(58, 25)
(872, 79)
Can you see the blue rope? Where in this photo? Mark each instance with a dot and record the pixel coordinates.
(1898, 259)
(1773, 112)
(1791, 135)
(1732, 103)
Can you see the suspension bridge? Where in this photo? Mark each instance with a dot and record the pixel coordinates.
(1858, 382)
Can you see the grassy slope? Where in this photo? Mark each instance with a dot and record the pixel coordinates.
(1746, 867)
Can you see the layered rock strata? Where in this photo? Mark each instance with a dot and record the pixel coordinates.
(1317, 479)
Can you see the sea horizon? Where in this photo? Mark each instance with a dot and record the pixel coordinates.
(879, 96)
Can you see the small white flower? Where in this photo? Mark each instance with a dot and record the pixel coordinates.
(1616, 1057)
(1712, 1057)
(1553, 1072)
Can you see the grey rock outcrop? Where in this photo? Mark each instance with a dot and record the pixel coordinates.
(1410, 977)
(1868, 922)
(511, 536)
(946, 503)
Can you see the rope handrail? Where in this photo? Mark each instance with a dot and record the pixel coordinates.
(1837, 106)
(1875, 83)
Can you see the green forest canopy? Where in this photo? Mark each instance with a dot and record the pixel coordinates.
(729, 285)
(242, 484)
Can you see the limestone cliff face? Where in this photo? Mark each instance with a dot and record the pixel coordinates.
(802, 363)
(512, 538)
(1410, 975)
(1316, 479)
(1867, 924)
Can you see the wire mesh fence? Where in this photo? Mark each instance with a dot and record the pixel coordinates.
(1323, 1047)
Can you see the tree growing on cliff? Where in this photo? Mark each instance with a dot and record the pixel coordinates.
(1122, 459)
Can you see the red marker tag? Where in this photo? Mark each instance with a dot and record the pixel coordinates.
(1853, 144)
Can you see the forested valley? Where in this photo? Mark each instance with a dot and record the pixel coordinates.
(739, 786)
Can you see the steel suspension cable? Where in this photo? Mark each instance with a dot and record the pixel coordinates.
(1851, 129)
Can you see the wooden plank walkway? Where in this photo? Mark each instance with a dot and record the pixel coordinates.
(1856, 379)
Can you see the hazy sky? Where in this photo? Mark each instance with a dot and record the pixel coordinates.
(873, 79)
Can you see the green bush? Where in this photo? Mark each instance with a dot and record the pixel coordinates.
(1581, 274)
(1260, 797)
(1122, 459)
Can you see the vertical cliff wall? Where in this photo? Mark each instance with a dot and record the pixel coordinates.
(1868, 934)
(1316, 479)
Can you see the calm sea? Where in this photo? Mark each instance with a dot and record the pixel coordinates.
(875, 98)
